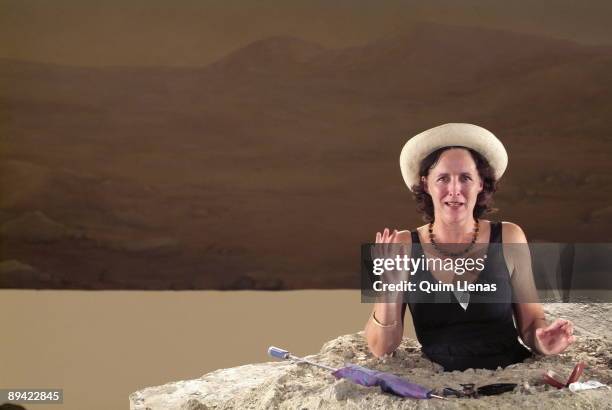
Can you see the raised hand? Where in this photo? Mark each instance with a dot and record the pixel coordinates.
(555, 338)
(389, 246)
(385, 248)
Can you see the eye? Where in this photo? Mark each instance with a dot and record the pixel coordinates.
(443, 178)
(466, 178)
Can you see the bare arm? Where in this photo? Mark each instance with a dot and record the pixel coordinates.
(529, 317)
(384, 329)
(386, 335)
(534, 331)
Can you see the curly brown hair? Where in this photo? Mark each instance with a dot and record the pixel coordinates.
(484, 201)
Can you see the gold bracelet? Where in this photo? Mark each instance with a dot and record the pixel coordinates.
(376, 322)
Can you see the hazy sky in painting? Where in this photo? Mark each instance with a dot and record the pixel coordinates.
(197, 32)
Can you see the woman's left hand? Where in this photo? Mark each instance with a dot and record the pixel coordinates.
(555, 338)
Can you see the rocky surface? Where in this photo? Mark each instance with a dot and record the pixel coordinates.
(283, 385)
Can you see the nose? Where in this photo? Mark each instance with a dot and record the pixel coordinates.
(454, 188)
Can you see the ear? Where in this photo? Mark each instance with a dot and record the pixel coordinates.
(481, 187)
(425, 187)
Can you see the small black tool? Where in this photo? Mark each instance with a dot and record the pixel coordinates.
(494, 389)
(469, 390)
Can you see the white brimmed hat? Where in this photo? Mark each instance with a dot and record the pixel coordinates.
(449, 135)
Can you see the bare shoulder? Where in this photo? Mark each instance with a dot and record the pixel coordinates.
(512, 233)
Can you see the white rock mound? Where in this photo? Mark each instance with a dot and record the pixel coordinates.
(283, 385)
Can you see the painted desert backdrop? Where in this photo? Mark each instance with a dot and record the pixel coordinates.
(267, 168)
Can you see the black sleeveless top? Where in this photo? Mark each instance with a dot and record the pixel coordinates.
(483, 335)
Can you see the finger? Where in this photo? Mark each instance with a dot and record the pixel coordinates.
(558, 327)
(544, 339)
(389, 244)
(378, 237)
(385, 239)
(571, 339)
(393, 244)
(539, 332)
(393, 236)
(389, 234)
(542, 330)
(555, 325)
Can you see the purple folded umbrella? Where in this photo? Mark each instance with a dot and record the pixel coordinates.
(389, 383)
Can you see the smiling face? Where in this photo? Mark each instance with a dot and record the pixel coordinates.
(453, 184)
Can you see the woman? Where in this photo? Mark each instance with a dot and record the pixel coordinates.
(453, 170)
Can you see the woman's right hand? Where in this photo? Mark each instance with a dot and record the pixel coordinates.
(389, 245)
(386, 236)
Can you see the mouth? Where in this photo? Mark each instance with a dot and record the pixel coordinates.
(454, 204)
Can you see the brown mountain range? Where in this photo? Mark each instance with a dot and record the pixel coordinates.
(268, 168)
